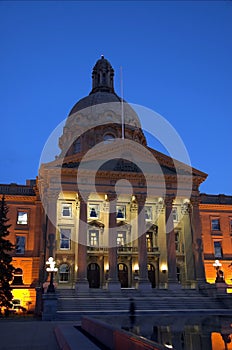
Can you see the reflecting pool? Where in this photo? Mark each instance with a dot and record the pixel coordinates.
(180, 331)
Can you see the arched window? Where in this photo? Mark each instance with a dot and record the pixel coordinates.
(64, 271)
(18, 277)
(108, 138)
(77, 146)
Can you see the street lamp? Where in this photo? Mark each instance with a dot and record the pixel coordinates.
(51, 262)
(219, 273)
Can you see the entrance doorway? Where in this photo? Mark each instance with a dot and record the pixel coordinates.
(93, 275)
(151, 275)
(123, 275)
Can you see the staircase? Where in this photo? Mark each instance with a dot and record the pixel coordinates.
(72, 306)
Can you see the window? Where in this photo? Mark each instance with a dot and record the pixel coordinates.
(217, 249)
(121, 212)
(65, 235)
(149, 237)
(22, 218)
(230, 225)
(108, 138)
(121, 238)
(94, 238)
(18, 277)
(148, 213)
(93, 211)
(175, 213)
(178, 241)
(215, 224)
(77, 146)
(20, 245)
(64, 271)
(66, 210)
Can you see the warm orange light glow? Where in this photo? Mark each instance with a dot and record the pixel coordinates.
(218, 343)
(136, 267)
(23, 295)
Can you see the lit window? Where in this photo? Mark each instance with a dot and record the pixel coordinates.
(93, 211)
(217, 249)
(149, 237)
(64, 273)
(93, 238)
(121, 212)
(175, 213)
(65, 240)
(215, 224)
(20, 245)
(121, 238)
(108, 138)
(22, 218)
(67, 210)
(148, 213)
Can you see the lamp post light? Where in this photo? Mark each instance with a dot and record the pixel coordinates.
(219, 273)
(51, 262)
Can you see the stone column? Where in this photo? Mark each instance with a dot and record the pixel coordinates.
(197, 241)
(142, 245)
(82, 282)
(113, 282)
(171, 248)
(188, 243)
(162, 244)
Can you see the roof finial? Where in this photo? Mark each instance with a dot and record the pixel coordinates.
(102, 57)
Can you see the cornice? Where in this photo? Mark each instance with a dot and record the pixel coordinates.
(17, 198)
(213, 207)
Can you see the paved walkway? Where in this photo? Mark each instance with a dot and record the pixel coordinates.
(28, 335)
(24, 334)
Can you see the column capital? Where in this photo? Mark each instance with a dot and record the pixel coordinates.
(53, 194)
(141, 198)
(83, 196)
(111, 196)
(195, 201)
(168, 200)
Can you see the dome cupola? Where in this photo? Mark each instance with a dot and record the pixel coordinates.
(102, 76)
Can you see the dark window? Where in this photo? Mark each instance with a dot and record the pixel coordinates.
(108, 138)
(18, 277)
(121, 212)
(20, 245)
(217, 249)
(67, 210)
(215, 224)
(77, 146)
(65, 235)
(64, 273)
(93, 211)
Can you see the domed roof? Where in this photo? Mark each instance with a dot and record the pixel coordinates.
(101, 110)
(95, 99)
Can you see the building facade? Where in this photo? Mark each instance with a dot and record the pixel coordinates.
(113, 212)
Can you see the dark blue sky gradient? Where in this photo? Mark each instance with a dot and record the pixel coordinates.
(176, 58)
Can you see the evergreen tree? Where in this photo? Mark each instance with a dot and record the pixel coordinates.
(6, 268)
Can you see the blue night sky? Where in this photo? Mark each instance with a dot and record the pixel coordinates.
(176, 58)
